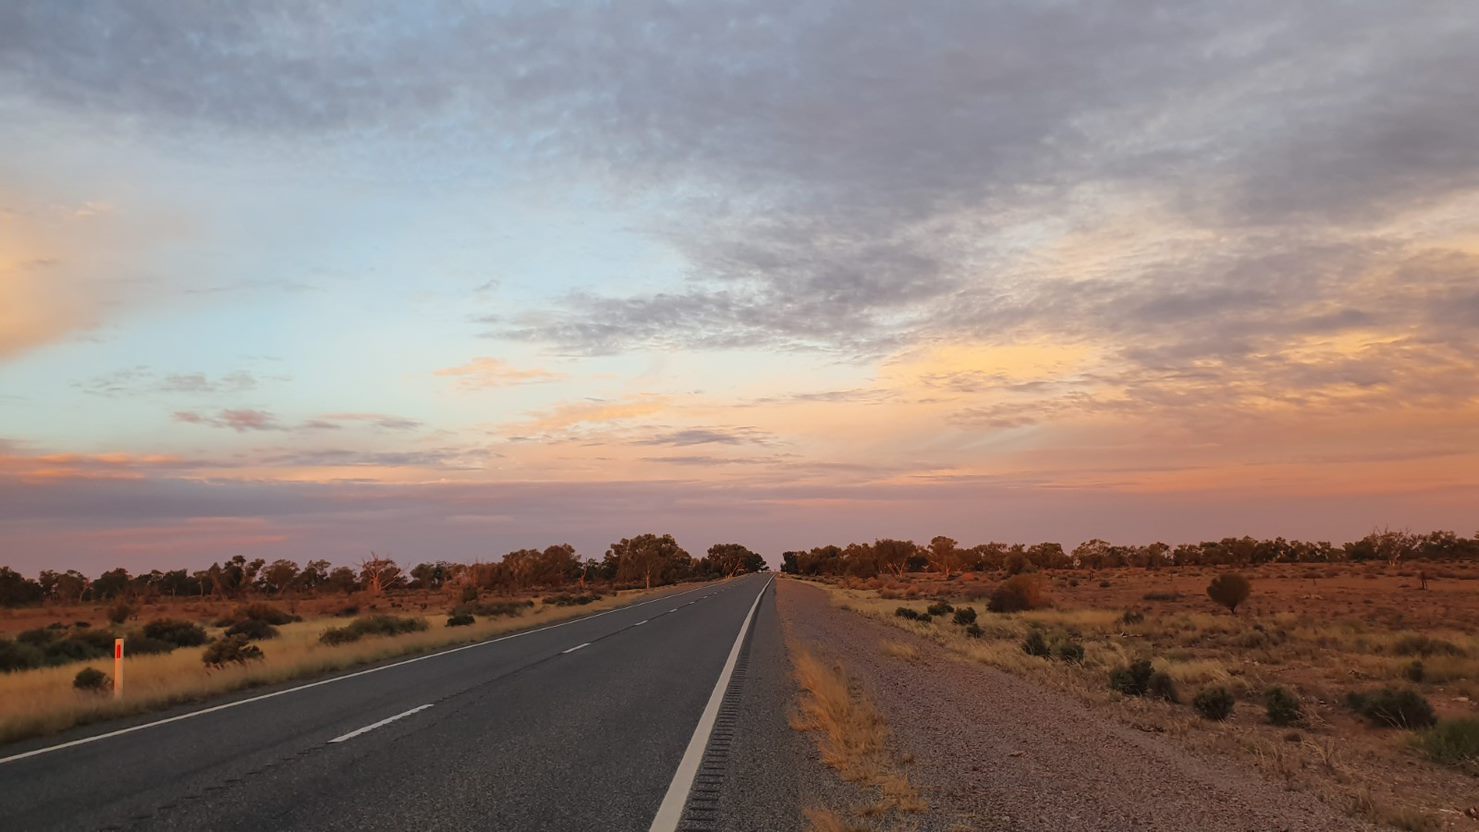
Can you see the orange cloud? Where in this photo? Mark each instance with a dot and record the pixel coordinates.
(484, 373)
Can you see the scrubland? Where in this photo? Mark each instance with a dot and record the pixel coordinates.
(1318, 634)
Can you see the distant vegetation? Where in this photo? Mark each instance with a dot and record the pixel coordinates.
(945, 556)
(646, 560)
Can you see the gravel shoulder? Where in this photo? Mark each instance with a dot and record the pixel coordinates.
(991, 751)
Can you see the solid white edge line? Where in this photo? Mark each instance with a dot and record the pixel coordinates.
(670, 813)
(576, 647)
(203, 711)
(381, 724)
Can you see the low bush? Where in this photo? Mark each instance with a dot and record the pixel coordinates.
(90, 680)
(230, 650)
(145, 646)
(910, 614)
(964, 615)
(177, 632)
(940, 608)
(259, 611)
(1132, 617)
(372, 625)
(1393, 708)
(1214, 703)
(1162, 596)
(1105, 584)
(1162, 686)
(973, 630)
(120, 612)
(79, 647)
(1422, 645)
(1017, 594)
(1036, 645)
(1283, 708)
(1069, 651)
(39, 637)
(460, 619)
(1414, 670)
(1453, 742)
(17, 655)
(1230, 590)
(1132, 679)
(496, 609)
(567, 599)
(469, 594)
(252, 629)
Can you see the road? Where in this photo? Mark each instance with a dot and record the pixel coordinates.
(578, 726)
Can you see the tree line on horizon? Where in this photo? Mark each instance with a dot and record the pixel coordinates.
(646, 560)
(946, 556)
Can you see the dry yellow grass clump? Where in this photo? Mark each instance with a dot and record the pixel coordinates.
(851, 735)
(43, 701)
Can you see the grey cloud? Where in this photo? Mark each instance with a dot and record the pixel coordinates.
(142, 380)
(708, 436)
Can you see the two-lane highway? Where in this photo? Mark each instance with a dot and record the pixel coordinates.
(576, 726)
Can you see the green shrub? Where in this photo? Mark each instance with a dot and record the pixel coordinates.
(120, 612)
(1069, 651)
(1453, 742)
(1214, 703)
(1162, 686)
(372, 625)
(1162, 596)
(460, 619)
(1132, 679)
(39, 637)
(498, 609)
(469, 594)
(964, 615)
(1230, 590)
(1283, 708)
(145, 646)
(973, 630)
(253, 629)
(1036, 645)
(1017, 594)
(1132, 617)
(80, 647)
(1393, 708)
(259, 611)
(909, 614)
(567, 599)
(176, 632)
(91, 680)
(230, 650)
(17, 655)
(1414, 670)
(940, 608)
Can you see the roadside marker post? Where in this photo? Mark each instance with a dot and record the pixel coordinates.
(117, 668)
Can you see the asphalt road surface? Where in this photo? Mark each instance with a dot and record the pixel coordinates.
(579, 726)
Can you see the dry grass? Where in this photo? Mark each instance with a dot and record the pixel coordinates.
(826, 820)
(36, 702)
(851, 734)
(899, 650)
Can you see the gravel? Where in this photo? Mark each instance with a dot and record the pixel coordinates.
(995, 752)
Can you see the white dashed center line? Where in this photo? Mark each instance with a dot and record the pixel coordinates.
(576, 647)
(381, 724)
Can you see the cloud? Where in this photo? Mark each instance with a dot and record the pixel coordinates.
(243, 420)
(240, 421)
(708, 436)
(484, 373)
(379, 421)
(142, 380)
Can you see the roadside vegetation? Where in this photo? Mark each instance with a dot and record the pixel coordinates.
(1357, 680)
(248, 623)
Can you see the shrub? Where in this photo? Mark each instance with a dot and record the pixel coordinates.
(964, 615)
(176, 632)
(145, 646)
(1283, 707)
(1132, 679)
(973, 630)
(1036, 645)
(1229, 589)
(496, 609)
(230, 650)
(1215, 703)
(17, 655)
(1414, 670)
(120, 612)
(80, 647)
(91, 680)
(460, 619)
(1393, 708)
(1070, 651)
(372, 625)
(1453, 742)
(1421, 645)
(1018, 593)
(252, 629)
(909, 614)
(1162, 686)
(1105, 584)
(469, 594)
(572, 600)
(259, 611)
(1162, 596)
(39, 637)
(940, 608)
(1132, 617)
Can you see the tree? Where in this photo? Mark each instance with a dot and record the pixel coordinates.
(378, 574)
(16, 589)
(893, 555)
(730, 559)
(110, 584)
(342, 579)
(945, 555)
(649, 558)
(314, 575)
(278, 576)
(1229, 589)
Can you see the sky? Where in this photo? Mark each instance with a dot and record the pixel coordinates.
(443, 280)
